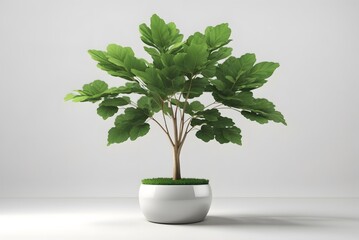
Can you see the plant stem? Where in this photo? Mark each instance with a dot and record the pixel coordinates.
(176, 165)
(176, 148)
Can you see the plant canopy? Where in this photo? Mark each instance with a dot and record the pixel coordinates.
(169, 88)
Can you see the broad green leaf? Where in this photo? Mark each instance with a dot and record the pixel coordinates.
(263, 69)
(246, 61)
(144, 102)
(205, 133)
(131, 114)
(98, 56)
(149, 103)
(104, 64)
(118, 52)
(160, 32)
(220, 85)
(217, 36)
(193, 58)
(96, 87)
(196, 106)
(209, 71)
(210, 114)
(196, 57)
(124, 57)
(154, 82)
(146, 34)
(106, 111)
(220, 54)
(80, 98)
(93, 92)
(117, 135)
(139, 131)
(246, 102)
(233, 134)
(115, 102)
(69, 96)
(153, 52)
(175, 36)
(232, 70)
(222, 122)
(196, 38)
(131, 124)
(197, 122)
(195, 87)
(164, 37)
(175, 48)
(131, 87)
(219, 136)
(254, 117)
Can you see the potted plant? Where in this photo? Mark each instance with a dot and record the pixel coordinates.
(166, 92)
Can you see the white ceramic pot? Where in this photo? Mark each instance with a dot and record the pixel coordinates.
(175, 203)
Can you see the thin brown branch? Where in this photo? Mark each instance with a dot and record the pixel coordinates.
(210, 104)
(164, 117)
(184, 109)
(167, 133)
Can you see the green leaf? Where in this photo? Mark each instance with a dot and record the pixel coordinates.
(131, 124)
(230, 72)
(131, 87)
(139, 131)
(69, 96)
(197, 122)
(217, 36)
(153, 52)
(104, 64)
(246, 61)
(130, 116)
(124, 57)
(233, 134)
(94, 88)
(196, 87)
(220, 54)
(119, 53)
(106, 111)
(263, 69)
(254, 117)
(193, 59)
(164, 37)
(196, 57)
(222, 122)
(160, 33)
(146, 35)
(209, 71)
(154, 81)
(117, 135)
(220, 85)
(219, 136)
(196, 106)
(149, 104)
(115, 102)
(245, 101)
(80, 98)
(205, 133)
(210, 114)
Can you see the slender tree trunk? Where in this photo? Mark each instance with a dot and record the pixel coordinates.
(176, 163)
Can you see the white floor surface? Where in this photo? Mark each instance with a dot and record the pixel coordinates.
(229, 218)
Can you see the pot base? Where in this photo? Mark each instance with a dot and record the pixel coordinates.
(175, 204)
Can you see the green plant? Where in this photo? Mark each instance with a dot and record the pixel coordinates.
(181, 72)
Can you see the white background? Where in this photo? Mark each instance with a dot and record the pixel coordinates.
(49, 148)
